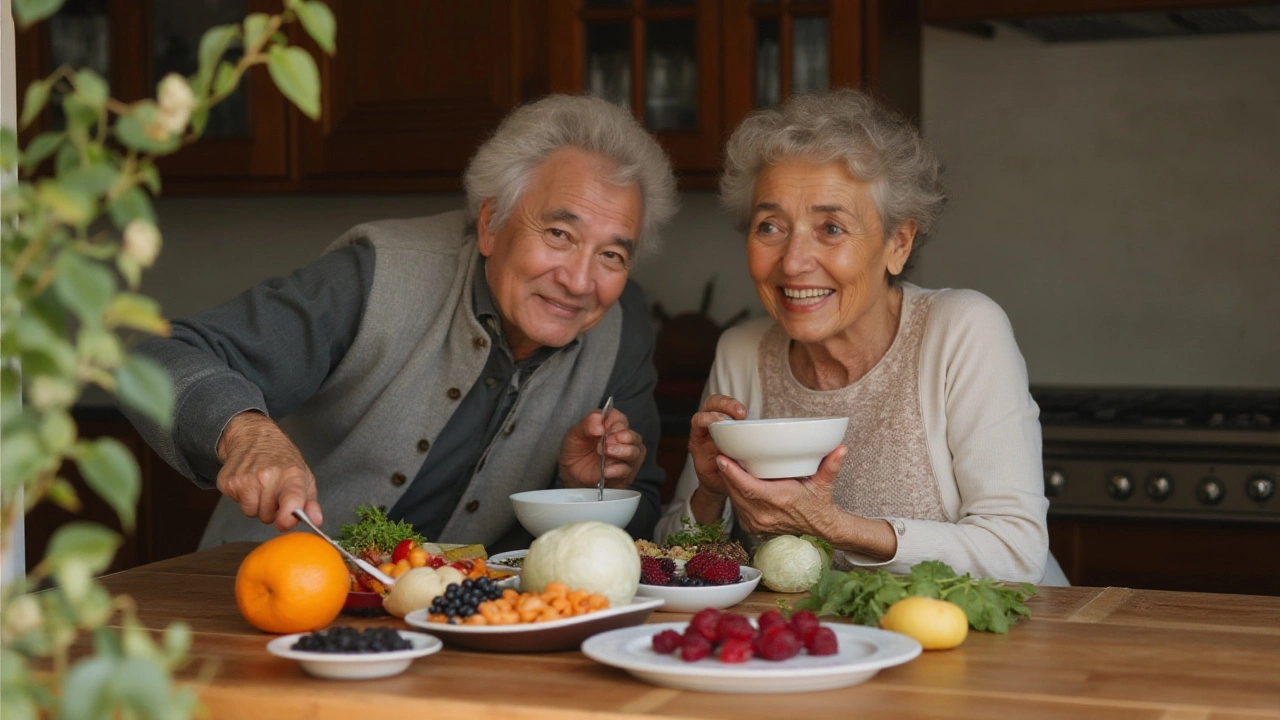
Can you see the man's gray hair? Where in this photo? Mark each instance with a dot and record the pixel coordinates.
(875, 143)
(503, 166)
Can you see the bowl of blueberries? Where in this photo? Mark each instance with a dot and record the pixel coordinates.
(347, 653)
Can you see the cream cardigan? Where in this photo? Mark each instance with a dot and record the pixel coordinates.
(983, 434)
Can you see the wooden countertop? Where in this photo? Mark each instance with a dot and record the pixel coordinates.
(1086, 652)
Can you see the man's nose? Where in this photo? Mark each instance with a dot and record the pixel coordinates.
(576, 272)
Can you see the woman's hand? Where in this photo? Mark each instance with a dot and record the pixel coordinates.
(708, 501)
(799, 506)
(624, 451)
(264, 472)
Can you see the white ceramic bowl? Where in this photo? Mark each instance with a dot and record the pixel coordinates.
(356, 666)
(693, 599)
(779, 447)
(542, 510)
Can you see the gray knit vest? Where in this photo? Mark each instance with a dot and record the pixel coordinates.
(417, 353)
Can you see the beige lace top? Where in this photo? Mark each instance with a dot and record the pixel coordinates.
(887, 472)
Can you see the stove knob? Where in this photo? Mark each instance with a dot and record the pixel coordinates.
(1260, 488)
(1210, 491)
(1119, 486)
(1055, 482)
(1159, 486)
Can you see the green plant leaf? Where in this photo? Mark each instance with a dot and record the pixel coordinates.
(81, 118)
(142, 384)
(10, 155)
(40, 148)
(132, 131)
(295, 73)
(213, 45)
(199, 120)
(69, 204)
(83, 285)
(133, 204)
(82, 542)
(151, 178)
(255, 27)
(98, 346)
(110, 470)
(63, 494)
(225, 80)
(142, 684)
(317, 20)
(67, 159)
(93, 179)
(130, 270)
(36, 98)
(85, 688)
(138, 312)
(57, 431)
(107, 642)
(22, 456)
(91, 89)
(27, 12)
(177, 642)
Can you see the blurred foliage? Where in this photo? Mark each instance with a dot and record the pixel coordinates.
(78, 230)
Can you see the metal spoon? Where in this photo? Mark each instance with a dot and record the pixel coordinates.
(377, 574)
(604, 418)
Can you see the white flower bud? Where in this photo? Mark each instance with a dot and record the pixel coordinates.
(141, 242)
(22, 616)
(49, 392)
(174, 103)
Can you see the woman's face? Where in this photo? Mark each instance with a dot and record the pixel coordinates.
(816, 251)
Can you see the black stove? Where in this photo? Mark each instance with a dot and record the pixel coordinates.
(1161, 454)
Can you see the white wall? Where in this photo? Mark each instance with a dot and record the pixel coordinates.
(1121, 200)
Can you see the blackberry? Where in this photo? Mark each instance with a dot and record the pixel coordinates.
(461, 601)
(343, 639)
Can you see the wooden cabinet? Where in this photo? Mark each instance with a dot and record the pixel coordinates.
(692, 69)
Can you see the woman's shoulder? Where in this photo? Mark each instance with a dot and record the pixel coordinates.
(962, 308)
(744, 337)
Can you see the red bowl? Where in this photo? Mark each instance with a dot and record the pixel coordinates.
(363, 604)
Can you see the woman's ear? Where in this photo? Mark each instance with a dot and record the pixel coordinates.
(900, 244)
(484, 235)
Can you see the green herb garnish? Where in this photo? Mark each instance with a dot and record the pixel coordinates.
(375, 531)
(694, 533)
(863, 595)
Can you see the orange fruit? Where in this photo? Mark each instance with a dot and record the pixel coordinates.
(292, 583)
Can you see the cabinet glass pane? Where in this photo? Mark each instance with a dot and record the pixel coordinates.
(79, 37)
(768, 63)
(671, 76)
(809, 54)
(178, 26)
(609, 62)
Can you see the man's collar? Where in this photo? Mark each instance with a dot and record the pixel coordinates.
(486, 310)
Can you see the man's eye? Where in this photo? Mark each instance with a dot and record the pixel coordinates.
(558, 235)
(614, 258)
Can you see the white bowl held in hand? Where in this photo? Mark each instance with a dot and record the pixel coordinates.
(542, 510)
(779, 447)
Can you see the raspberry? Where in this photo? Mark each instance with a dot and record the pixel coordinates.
(736, 650)
(706, 623)
(770, 619)
(667, 642)
(656, 571)
(804, 623)
(778, 643)
(735, 627)
(713, 568)
(694, 647)
(822, 642)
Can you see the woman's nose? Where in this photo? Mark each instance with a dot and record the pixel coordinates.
(797, 258)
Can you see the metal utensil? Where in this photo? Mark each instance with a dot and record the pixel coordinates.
(377, 574)
(604, 418)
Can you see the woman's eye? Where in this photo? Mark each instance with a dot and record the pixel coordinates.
(832, 229)
(766, 227)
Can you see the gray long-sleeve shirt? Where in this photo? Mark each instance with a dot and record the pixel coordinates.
(286, 335)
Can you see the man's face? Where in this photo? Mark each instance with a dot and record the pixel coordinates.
(561, 259)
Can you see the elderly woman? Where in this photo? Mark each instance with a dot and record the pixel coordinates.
(941, 460)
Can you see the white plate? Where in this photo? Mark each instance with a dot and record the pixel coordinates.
(565, 634)
(500, 559)
(355, 666)
(693, 599)
(863, 652)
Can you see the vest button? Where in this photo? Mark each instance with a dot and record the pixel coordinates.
(424, 445)
(454, 393)
(491, 381)
(398, 479)
(509, 429)
(480, 343)
(473, 506)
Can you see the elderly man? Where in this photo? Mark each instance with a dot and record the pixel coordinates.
(433, 366)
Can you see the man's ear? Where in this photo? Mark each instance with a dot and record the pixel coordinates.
(485, 237)
(900, 244)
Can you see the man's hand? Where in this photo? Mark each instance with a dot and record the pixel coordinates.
(580, 452)
(263, 471)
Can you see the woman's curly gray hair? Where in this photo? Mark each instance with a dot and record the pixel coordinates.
(877, 145)
(503, 166)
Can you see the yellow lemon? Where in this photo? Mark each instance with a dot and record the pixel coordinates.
(936, 624)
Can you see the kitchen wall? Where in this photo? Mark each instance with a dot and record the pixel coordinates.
(1119, 199)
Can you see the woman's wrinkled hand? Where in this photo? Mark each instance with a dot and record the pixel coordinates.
(265, 473)
(798, 506)
(703, 450)
(624, 451)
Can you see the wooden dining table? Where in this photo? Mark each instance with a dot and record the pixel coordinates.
(1086, 652)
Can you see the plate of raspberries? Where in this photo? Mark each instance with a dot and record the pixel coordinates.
(729, 653)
